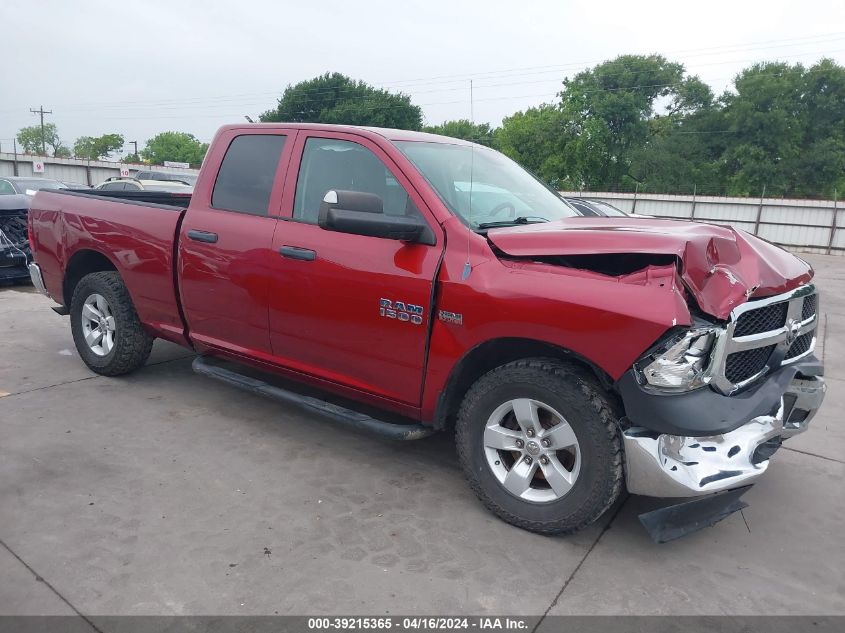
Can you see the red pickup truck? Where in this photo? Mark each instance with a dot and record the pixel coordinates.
(422, 283)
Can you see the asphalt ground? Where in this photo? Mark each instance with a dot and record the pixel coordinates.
(164, 492)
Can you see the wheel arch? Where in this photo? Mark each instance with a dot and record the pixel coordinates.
(83, 262)
(494, 353)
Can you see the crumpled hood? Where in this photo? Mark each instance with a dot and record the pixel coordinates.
(722, 267)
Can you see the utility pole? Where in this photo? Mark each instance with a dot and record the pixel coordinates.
(135, 144)
(41, 111)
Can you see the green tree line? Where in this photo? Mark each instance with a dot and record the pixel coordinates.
(637, 122)
(171, 146)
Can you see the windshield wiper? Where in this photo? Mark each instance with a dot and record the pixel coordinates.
(522, 219)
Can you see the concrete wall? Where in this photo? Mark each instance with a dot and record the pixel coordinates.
(73, 170)
(814, 226)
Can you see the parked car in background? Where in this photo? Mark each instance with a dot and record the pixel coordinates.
(135, 184)
(188, 179)
(596, 208)
(15, 253)
(10, 185)
(16, 192)
(75, 185)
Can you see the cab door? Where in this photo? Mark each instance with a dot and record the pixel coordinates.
(225, 242)
(345, 308)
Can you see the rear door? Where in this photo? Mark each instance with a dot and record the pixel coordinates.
(225, 257)
(348, 308)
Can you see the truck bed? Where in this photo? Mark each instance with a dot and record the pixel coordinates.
(136, 234)
(180, 200)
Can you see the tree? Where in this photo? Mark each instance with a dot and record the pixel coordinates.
(131, 158)
(537, 139)
(465, 129)
(787, 127)
(336, 98)
(30, 139)
(96, 147)
(175, 146)
(608, 108)
(683, 155)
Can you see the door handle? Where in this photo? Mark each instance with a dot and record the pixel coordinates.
(202, 236)
(294, 252)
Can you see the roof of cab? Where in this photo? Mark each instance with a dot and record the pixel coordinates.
(388, 133)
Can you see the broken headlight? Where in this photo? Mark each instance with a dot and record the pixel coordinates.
(681, 362)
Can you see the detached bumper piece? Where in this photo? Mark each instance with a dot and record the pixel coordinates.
(672, 522)
(664, 465)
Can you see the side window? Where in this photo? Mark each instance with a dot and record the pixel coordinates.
(246, 175)
(114, 186)
(6, 188)
(343, 165)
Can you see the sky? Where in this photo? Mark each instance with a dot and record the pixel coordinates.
(137, 68)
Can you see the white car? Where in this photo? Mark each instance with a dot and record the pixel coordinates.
(133, 184)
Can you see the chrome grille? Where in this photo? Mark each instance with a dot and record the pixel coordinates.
(765, 319)
(741, 366)
(808, 310)
(801, 345)
(762, 335)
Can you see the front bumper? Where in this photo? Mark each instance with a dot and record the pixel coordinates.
(660, 464)
(12, 264)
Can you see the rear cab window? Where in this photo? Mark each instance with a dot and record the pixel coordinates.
(247, 173)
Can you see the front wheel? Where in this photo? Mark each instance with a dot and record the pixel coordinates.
(538, 442)
(106, 329)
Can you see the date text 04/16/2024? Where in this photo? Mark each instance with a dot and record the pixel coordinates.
(418, 623)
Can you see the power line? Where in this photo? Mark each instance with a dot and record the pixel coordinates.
(462, 78)
(545, 95)
(308, 97)
(750, 47)
(446, 80)
(41, 112)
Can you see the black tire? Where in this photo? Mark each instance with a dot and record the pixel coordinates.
(132, 343)
(592, 415)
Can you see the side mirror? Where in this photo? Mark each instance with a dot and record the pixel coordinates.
(361, 213)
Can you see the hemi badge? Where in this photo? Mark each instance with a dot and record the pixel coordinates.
(450, 317)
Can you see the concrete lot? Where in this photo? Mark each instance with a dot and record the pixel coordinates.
(167, 493)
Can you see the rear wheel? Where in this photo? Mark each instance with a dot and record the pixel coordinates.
(106, 329)
(538, 442)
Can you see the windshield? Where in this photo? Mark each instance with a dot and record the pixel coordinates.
(502, 192)
(36, 184)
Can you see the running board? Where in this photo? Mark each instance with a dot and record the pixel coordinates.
(349, 417)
